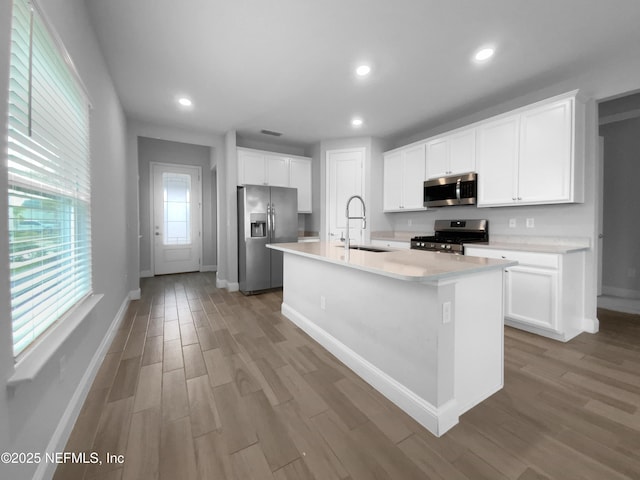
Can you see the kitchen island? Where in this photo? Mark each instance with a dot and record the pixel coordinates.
(425, 329)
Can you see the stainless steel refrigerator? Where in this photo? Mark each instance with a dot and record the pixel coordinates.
(265, 215)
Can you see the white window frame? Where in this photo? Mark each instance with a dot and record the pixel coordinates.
(25, 171)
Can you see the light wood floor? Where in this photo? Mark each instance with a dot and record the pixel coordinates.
(204, 384)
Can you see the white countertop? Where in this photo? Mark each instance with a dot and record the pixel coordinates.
(408, 265)
(531, 247)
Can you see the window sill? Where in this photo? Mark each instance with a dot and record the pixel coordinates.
(29, 366)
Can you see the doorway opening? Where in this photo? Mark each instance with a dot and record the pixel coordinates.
(619, 129)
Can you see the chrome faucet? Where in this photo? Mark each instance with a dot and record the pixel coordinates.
(363, 218)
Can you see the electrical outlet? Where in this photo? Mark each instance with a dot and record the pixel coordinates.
(446, 312)
(512, 223)
(410, 222)
(531, 223)
(323, 302)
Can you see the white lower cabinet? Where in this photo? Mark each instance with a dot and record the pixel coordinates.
(531, 296)
(544, 293)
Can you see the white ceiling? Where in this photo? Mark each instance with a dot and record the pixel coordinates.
(287, 65)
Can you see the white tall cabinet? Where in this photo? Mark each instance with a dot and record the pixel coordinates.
(404, 175)
(532, 156)
(257, 167)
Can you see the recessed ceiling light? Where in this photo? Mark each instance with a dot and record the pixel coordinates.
(356, 122)
(484, 54)
(363, 70)
(185, 102)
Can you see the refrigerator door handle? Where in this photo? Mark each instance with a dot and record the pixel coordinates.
(273, 221)
(269, 234)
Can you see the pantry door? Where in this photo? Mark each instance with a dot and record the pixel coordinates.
(345, 174)
(176, 218)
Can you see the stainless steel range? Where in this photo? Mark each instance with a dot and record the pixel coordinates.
(450, 235)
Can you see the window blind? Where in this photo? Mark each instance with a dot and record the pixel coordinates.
(49, 180)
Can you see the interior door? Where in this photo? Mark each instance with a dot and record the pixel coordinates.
(344, 180)
(176, 218)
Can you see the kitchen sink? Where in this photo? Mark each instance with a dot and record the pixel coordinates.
(368, 248)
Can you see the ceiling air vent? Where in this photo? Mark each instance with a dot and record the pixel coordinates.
(271, 132)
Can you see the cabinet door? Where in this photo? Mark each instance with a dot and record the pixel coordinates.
(438, 158)
(497, 161)
(545, 164)
(413, 177)
(277, 171)
(392, 188)
(531, 296)
(251, 168)
(300, 178)
(462, 152)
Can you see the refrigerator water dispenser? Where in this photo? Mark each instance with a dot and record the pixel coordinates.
(258, 229)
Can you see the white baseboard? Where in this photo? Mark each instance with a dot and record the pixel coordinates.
(618, 304)
(591, 325)
(233, 287)
(436, 420)
(146, 274)
(62, 432)
(220, 282)
(620, 292)
(209, 268)
(135, 294)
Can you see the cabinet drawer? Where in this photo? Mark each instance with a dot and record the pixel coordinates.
(391, 244)
(544, 260)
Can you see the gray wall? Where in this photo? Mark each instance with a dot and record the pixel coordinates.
(42, 411)
(164, 151)
(621, 229)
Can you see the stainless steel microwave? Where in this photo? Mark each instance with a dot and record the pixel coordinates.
(451, 190)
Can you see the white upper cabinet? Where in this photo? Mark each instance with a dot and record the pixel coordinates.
(545, 153)
(452, 154)
(251, 168)
(277, 170)
(497, 161)
(392, 189)
(256, 167)
(532, 156)
(404, 174)
(300, 178)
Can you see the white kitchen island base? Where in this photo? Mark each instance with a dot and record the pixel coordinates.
(432, 344)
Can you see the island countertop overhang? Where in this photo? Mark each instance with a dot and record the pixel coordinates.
(407, 265)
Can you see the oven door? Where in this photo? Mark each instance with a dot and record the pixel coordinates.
(454, 190)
